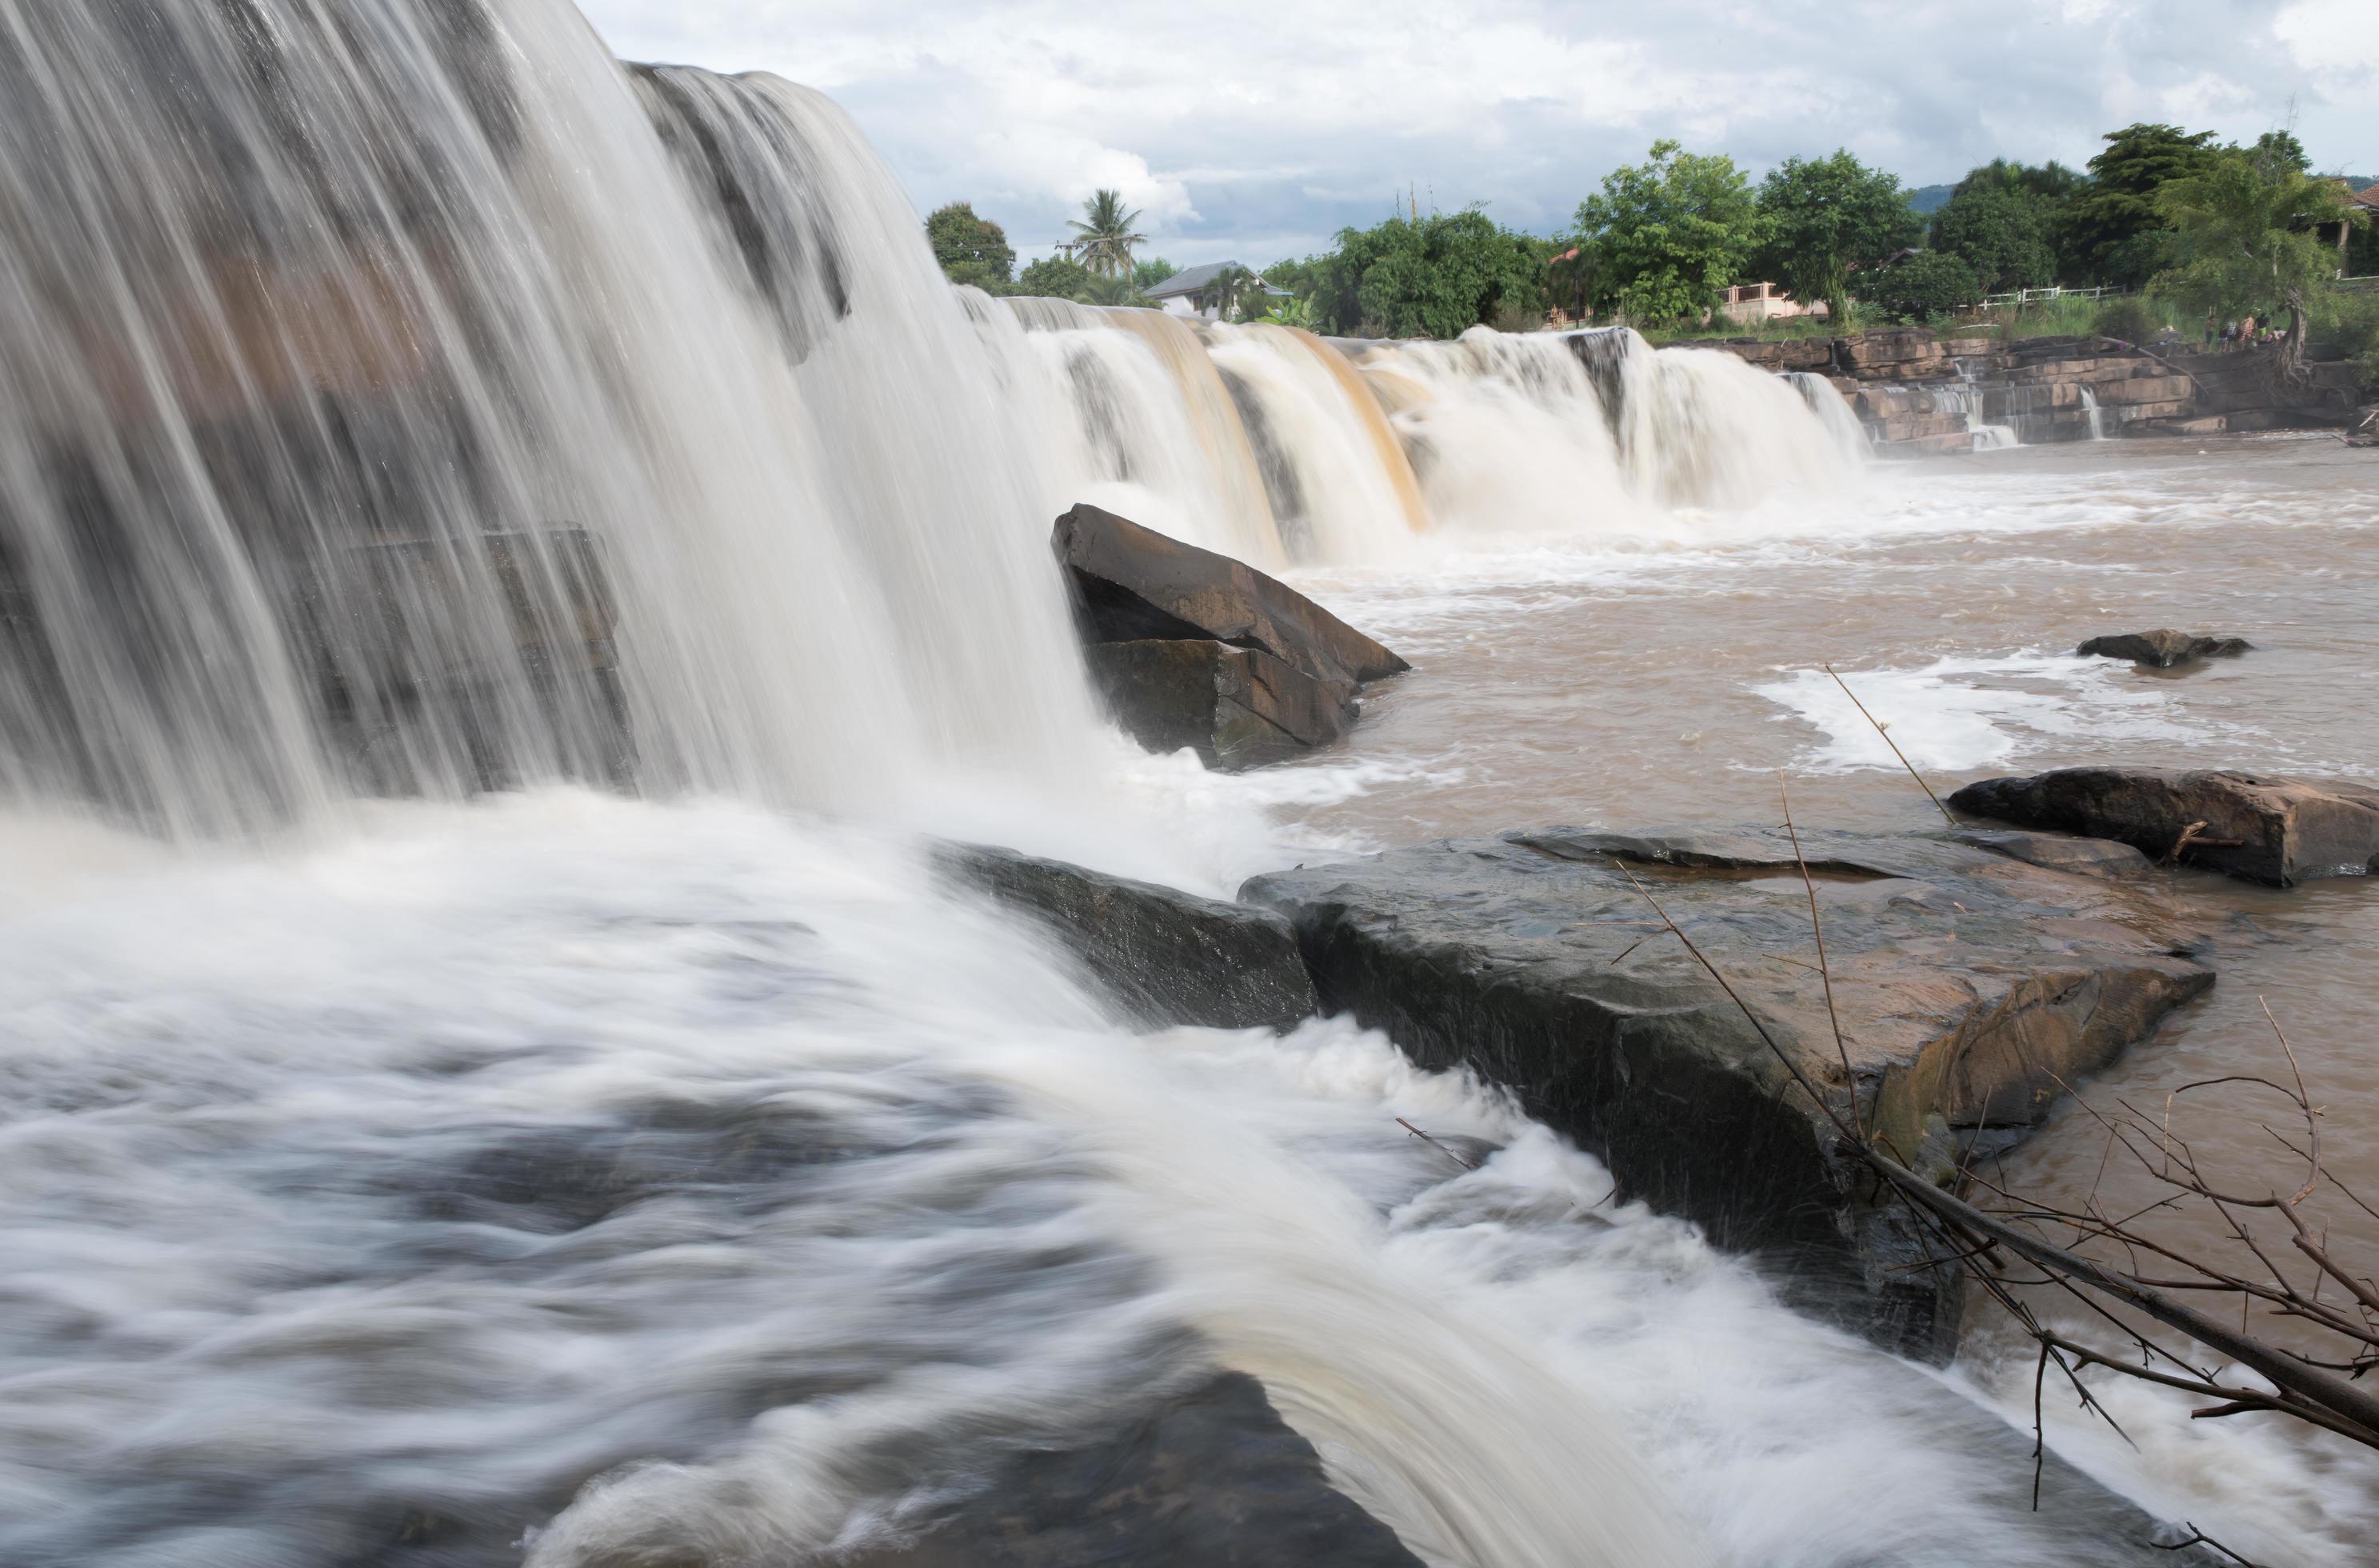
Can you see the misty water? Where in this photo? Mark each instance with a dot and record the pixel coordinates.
(510, 561)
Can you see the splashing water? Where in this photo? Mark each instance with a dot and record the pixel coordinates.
(404, 399)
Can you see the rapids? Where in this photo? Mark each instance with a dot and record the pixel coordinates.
(502, 556)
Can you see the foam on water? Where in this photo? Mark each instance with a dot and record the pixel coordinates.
(502, 1147)
(1966, 714)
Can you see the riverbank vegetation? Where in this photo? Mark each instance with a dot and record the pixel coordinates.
(2164, 228)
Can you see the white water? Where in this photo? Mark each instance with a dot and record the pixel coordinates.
(503, 1145)
(2090, 407)
(361, 1161)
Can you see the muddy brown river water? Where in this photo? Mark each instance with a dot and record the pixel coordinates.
(1633, 681)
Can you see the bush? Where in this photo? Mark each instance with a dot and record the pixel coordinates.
(1054, 277)
(1928, 283)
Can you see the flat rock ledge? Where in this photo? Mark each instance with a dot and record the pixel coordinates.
(1970, 984)
(2258, 828)
(1165, 957)
(2163, 648)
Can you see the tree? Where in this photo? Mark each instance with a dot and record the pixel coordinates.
(1436, 276)
(1672, 233)
(1929, 283)
(2278, 152)
(2244, 239)
(1825, 218)
(1222, 293)
(2112, 231)
(1149, 273)
(1106, 233)
(1054, 277)
(2002, 221)
(970, 250)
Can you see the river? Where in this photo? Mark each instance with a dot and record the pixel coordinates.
(486, 1072)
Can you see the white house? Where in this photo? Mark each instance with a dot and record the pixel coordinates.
(1177, 296)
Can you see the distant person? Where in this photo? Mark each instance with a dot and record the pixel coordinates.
(2213, 330)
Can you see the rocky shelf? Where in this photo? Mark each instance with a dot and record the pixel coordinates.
(1970, 986)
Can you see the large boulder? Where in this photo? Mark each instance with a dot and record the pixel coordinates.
(2258, 828)
(1135, 585)
(1236, 707)
(1971, 987)
(1164, 955)
(2163, 648)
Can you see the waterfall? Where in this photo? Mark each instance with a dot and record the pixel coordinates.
(2090, 407)
(414, 403)
(1967, 401)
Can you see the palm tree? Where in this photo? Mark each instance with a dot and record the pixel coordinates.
(1224, 289)
(1107, 238)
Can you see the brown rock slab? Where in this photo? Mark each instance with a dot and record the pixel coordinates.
(1970, 987)
(1135, 585)
(1236, 707)
(2258, 828)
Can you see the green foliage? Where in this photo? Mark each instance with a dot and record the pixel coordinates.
(2112, 231)
(1149, 273)
(2005, 237)
(1436, 277)
(2003, 220)
(1054, 277)
(1222, 293)
(2277, 152)
(2243, 238)
(1291, 312)
(1824, 218)
(1107, 238)
(970, 250)
(1672, 234)
(1302, 279)
(1929, 283)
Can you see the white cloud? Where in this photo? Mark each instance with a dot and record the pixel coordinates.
(1248, 128)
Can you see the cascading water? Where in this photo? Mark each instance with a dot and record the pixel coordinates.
(2090, 407)
(397, 411)
(1360, 447)
(401, 398)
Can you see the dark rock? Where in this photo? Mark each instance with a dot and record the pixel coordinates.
(1168, 956)
(1212, 1479)
(1135, 585)
(2059, 851)
(2255, 826)
(1969, 985)
(2163, 648)
(1237, 707)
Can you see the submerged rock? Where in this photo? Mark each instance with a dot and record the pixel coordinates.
(1969, 985)
(2258, 828)
(1167, 957)
(1191, 648)
(2163, 648)
(1212, 1479)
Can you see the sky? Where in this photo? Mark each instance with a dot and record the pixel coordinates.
(1252, 132)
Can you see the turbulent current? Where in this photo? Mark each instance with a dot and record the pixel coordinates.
(503, 557)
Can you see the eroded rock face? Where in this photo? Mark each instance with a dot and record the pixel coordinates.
(1166, 956)
(1968, 984)
(1190, 648)
(2259, 827)
(1236, 707)
(2163, 648)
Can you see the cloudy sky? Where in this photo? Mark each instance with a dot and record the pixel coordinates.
(1254, 130)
